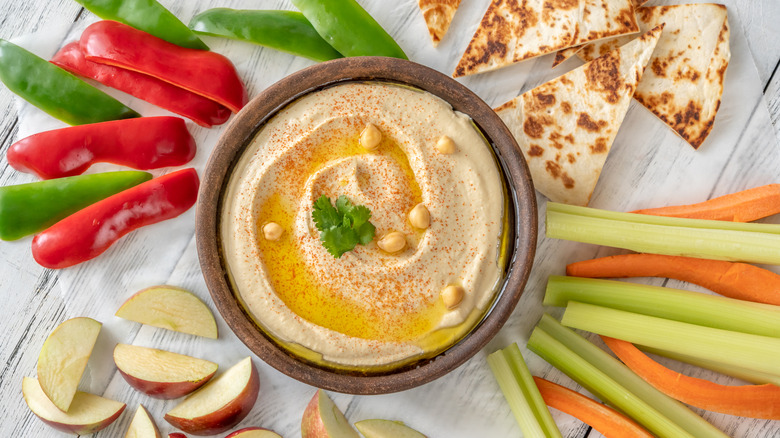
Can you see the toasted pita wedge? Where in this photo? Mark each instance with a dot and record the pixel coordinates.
(684, 83)
(438, 16)
(515, 30)
(565, 54)
(565, 127)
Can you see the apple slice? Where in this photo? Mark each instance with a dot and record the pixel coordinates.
(170, 308)
(386, 429)
(162, 374)
(220, 404)
(176, 435)
(142, 425)
(254, 432)
(323, 419)
(64, 357)
(88, 413)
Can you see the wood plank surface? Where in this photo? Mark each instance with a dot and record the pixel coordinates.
(465, 403)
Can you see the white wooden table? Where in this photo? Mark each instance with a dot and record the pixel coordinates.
(465, 403)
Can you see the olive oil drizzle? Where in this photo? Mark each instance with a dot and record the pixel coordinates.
(299, 289)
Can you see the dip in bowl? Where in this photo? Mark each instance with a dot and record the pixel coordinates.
(450, 200)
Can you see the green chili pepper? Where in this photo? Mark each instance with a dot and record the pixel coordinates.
(148, 16)
(288, 31)
(28, 208)
(56, 91)
(346, 26)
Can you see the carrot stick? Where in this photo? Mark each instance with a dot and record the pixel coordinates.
(604, 419)
(745, 206)
(754, 401)
(734, 280)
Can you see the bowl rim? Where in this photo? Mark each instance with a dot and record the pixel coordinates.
(243, 128)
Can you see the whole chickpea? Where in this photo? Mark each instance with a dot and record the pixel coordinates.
(392, 242)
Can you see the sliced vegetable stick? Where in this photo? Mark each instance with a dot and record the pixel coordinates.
(89, 232)
(604, 419)
(718, 240)
(203, 111)
(740, 373)
(521, 393)
(742, 350)
(754, 401)
(734, 280)
(745, 206)
(575, 346)
(664, 302)
(608, 389)
(207, 74)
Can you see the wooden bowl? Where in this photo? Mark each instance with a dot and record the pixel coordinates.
(241, 131)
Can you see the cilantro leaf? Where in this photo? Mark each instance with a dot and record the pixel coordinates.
(343, 205)
(324, 215)
(365, 233)
(360, 215)
(344, 226)
(338, 240)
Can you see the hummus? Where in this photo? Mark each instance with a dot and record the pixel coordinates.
(369, 308)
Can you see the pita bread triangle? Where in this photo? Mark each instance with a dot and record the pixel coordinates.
(684, 83)
(565, 127)
(438, 16)
(515, 30)
(563, 55)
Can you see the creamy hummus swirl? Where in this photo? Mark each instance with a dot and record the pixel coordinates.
(367, 308)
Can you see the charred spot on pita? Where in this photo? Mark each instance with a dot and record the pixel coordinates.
(585, 122)
(568, 182)
(553, 168)
(659, 67)
(545, 99)
(603, 75)
(561, 4)
(627, 18)
(691, 113)
(698, 140)
(533, 128)
(689, 74)
(600, 147)
(724, 31)
(535, 151)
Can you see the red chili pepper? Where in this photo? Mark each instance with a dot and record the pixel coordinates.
(205, 112)
(90, 231)
(145, 143)
(205, 73)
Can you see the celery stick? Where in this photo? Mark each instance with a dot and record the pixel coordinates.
(742, 350)
(523, 376)
(600, 384)
(715, 244)
(672, 409)
(521, 393)
(514, 395)
(663, 302)
(740, 373)
(663, 220)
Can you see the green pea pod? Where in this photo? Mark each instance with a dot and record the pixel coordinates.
(346, 26)
(28, 208)
(146, 15)
(288, 31)
(56, 91)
